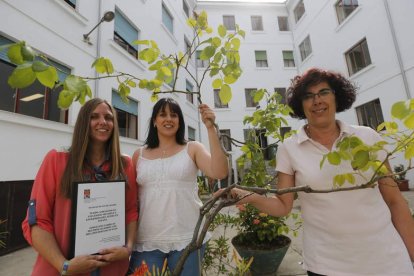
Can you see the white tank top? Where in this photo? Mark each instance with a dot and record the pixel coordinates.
(168, 201)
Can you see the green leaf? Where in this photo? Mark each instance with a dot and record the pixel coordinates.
(65, 99)
(360, 160)
(131, 83)
(339, 180)
(154, 97)
(222, 30)
(48, 77)
(334, 158)
(166, 71)
(214, 72)
(39, 66)
(207, 52)
(216, 42)
(27, 53)
(409, 152)
(258, 95)
(217, 83)
(399, 110)
(236, 43)
(74, 83)
(409, 121)
(23, 76)
(15, 54)
(225, 93)
(143, 84)
(140, 42)
(156, 66)
(229, 79)
(103, 65)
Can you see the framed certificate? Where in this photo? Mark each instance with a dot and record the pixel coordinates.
(98, 217)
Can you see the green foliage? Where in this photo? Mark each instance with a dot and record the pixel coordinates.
(267, 121)
(222, 51)
(259, 228)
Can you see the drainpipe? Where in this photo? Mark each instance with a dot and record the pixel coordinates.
(397, 50)
(98, 49)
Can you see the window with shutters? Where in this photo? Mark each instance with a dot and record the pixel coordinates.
(261, 58)
(288, 60)
(125, 34)
(127, 114)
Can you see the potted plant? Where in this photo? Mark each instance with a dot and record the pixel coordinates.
(262, 237)
(400, 173)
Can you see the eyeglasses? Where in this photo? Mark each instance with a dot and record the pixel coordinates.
(323, 93)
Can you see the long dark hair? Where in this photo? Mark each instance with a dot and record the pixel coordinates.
(80, 142)
(152, 138)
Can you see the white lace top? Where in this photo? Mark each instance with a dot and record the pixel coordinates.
(168, 201)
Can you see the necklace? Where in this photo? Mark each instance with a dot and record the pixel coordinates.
(335, 136)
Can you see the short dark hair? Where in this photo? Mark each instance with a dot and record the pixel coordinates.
(152, 138)
(345, 90)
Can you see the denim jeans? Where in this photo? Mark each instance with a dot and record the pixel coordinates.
(155, 258)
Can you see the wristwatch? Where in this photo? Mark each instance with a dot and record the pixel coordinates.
(65, 268)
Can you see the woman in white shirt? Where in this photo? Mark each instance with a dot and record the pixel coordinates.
(360, 232)
(167, 169)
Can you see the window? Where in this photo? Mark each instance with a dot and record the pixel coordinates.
(288, 60)
(125, 34)
(191, 134)
(344, 8)
(226, 139)
(258, 136)
(127, 114)
(283, 23)
(186, 8)
(261, 58)
(167, 19)
(284, 130)
(299, 11)
(189, 88)
(257, 23)
(72, 3)
(36, 100)
(217, 100)
(370, 114)
(282, 92)
(248, 92)
(305, 48)
(358, 57)
(200, 62)
(229, 22)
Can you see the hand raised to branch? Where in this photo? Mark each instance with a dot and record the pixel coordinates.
(207, 115)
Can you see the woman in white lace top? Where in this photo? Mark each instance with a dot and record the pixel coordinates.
(167, 169)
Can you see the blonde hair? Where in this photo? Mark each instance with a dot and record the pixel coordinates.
(80, 143)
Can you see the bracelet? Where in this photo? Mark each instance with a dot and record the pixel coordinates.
(65, 268)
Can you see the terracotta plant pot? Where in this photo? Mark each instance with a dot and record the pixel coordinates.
(265, 261)
(403, 185)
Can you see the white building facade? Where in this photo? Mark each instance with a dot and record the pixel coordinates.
(369, 41)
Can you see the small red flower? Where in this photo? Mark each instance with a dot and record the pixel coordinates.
(256, 221)
(241, 207)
